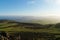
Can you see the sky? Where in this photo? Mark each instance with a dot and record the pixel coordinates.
(30, 7)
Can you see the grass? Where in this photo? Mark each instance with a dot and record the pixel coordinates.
(4, 27)
(30, 30)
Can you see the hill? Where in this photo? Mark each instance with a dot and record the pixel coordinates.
(14, 30)
(10, 25)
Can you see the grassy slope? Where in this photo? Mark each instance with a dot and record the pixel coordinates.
(31, 30)
(4, 27)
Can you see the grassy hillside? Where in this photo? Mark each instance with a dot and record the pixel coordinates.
(9, 25)
(13, 30)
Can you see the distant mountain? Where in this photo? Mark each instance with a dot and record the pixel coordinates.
(31, 19)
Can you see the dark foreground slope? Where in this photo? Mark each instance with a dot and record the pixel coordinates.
(27, 36)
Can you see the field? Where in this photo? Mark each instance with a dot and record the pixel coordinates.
(35, 29)
(14, 26)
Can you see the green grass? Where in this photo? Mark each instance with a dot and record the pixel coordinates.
(49, 30)
(31, 30)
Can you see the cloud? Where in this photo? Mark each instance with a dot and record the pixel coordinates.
(57, 2)
(31, 2)
(48, 1)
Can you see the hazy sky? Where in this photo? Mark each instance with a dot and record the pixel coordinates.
(30, 7)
